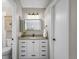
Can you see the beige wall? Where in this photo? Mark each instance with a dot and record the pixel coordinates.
(6, 11)
(73, 30)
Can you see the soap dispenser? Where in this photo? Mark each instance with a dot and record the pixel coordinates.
(45, 32)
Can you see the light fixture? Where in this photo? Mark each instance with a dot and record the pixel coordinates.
(33, 15)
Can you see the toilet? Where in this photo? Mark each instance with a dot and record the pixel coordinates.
(6, 53)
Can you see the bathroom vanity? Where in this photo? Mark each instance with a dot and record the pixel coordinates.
(33, 48)
(31, 43)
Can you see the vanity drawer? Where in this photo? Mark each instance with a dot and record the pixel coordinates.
(43, 51)
(23, 50)
(43, 44)
(23, 43)
(23, 46)
(23, 55)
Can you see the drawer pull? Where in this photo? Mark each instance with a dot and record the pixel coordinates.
(43, 46)
(22, 50)
(43, 50)
(23, 46)
(23, 55)
(43, 42)
(33, 42)
(23, 42)
(43, 55)
(33, 55)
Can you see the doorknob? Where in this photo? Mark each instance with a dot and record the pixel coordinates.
(12, 39)
(54, 39)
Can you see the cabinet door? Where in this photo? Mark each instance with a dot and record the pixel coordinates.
(36, 48)
(30, 46)
(8, 23)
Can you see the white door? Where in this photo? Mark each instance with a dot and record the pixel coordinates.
(61, 29)
(14, 32)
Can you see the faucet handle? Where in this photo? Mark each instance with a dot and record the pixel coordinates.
(33, 35)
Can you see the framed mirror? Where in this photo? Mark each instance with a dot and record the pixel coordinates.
(33, 24)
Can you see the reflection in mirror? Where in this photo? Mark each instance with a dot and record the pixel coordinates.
(33, 24)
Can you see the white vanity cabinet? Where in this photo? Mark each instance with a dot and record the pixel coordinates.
(33, 49)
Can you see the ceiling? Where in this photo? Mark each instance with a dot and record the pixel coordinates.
(34, 3)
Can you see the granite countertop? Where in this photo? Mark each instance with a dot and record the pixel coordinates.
(31, 37)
